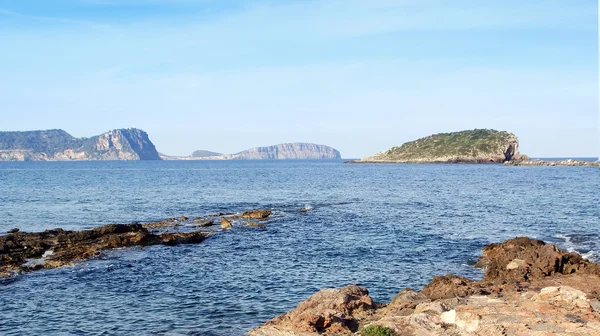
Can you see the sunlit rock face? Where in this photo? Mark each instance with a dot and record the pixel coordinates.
(473, 146)
(58, 145)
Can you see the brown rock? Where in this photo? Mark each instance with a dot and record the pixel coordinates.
(450, 286)
(329, 311)
(204, 222)
(256, 214)
(225, 223)
(183, 238)
(15, 230)
(522, 259)
(558, 300)
(57, 247)
(405, 302)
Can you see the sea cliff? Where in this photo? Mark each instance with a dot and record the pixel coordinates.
(58, 145)
(286, 151)
(474, 146)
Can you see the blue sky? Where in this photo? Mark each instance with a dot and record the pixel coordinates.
(359, 75)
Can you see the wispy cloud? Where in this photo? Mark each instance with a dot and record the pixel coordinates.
(319, 71)
(50, 19)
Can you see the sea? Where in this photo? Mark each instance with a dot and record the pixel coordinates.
(385, 227)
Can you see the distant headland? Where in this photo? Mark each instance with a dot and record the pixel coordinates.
(133, 144)
(286, 151)
(58, 145)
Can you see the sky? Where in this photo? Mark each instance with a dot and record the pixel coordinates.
(361, 76)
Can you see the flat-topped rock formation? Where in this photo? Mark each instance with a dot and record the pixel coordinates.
(529, 288)
(552, 163)
(58, 145)
(474, 146)
(286, 151)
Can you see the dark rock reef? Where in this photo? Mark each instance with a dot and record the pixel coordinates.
(58, 145)
(529, 288)
(23, 251)
(474, 146)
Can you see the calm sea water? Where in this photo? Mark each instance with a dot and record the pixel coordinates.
(382, 226)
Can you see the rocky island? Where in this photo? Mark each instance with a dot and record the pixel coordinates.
(58, 145)
(473, 146)
(529, 288)
(286, 151)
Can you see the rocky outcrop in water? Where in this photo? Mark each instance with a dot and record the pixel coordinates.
(552, 163)
(23, 251)
(529, 288)
(285, 151)
(58, 145)
(475, 146)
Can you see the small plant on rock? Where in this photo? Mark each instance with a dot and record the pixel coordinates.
(375, 330)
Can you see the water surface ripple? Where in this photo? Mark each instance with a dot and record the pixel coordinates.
(382, 226)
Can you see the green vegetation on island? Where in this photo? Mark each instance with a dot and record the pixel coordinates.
(473, 146)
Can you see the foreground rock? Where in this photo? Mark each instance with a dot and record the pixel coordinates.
(328, 310)
(23, 251)
(529, 288)
(474, 146)
(552, 163)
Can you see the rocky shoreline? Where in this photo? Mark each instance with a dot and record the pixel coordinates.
(529, 288)
(552, 163)
(446, 160)
(23, 252)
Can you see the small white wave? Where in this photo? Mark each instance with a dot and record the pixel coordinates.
(591, 255)
(568, 243)
(308, 207)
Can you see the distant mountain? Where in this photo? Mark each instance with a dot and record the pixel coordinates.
(58, 145)
(288, 151)
(285, 151)
(472, 146)
(204, 153)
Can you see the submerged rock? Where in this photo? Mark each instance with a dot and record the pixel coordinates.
(204, 222)
(254, 224)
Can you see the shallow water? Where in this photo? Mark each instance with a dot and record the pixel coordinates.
(382, 226)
